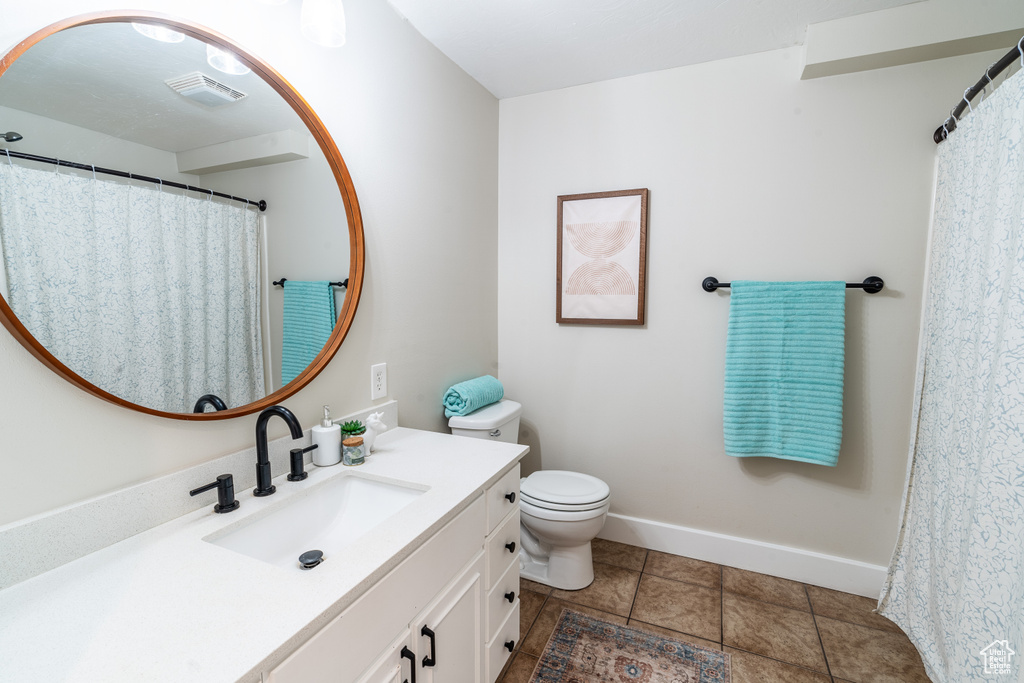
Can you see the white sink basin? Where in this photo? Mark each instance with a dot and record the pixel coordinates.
(329, 517)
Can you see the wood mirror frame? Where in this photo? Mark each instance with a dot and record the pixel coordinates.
(327, 146)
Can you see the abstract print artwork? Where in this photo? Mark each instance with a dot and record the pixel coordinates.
(602, 258)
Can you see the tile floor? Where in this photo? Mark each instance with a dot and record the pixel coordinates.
(778, 631)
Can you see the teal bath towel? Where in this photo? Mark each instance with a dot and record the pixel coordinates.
(465, 397)
(784, 370)
(308, 322)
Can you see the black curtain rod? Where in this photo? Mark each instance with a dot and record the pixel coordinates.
(871, 285)
(262, 204)
(280, 283)
(949, 125)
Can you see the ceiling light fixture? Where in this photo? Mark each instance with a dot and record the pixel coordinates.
(224, 61)
(161, 33)
(323, 22)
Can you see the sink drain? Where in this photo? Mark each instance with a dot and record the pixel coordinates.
(310, 559)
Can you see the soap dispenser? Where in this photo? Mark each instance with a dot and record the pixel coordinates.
(327, 437)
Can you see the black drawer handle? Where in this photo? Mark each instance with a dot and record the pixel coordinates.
(411, 656)
(510, 645)
(432, 659)
(511, 497)
(511, 547)
(510, 596)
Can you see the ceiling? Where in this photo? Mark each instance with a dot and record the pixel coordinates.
(519, 47)
(110, 78)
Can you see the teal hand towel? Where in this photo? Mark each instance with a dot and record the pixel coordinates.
(784, 370)
(465, 397)
(309, 319)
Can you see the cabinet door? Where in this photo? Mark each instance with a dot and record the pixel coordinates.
(394, 665)
(449, 636)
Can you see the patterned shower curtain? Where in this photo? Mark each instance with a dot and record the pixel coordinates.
(146, 293)
(956, 578)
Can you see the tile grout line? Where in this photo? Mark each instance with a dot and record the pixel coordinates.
(721, 606)
(639, 580)
(817, 631)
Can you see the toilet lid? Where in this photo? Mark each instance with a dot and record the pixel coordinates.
(563, 487)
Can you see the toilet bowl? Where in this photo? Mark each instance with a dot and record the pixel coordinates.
(561, 512)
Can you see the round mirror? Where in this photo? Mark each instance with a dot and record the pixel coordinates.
(178, 231)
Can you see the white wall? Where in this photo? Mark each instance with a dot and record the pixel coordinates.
(754, 174)
(51, 138)
(420, 139)
(307, 231)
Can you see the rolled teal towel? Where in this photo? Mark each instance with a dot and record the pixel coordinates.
(465, 397)
(784, 370)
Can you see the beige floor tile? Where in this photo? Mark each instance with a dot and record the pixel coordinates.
(679, 606)
(751, 668)
(868, 655)
(520, 670)
(529, 607)
(848, 607)
(612, 590)
(675, 635)
(683, 569)
(619, 554)
(777, 632)
(765, 588)
(535, 641)
(527, 585)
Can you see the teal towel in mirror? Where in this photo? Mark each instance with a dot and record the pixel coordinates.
(308, 322)
(784, 370)
(465, 397)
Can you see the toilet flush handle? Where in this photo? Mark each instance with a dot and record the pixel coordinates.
(496, 433)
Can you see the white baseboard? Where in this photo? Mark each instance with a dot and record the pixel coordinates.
(828, 571)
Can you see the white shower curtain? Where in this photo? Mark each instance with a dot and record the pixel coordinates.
(956, 579)
(146, 293)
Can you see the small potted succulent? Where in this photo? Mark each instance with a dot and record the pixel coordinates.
(352, 428)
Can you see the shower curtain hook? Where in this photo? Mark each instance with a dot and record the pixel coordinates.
(953, 116)
(969, 107)
(1021, 51)
(11, 163)
(94, 171)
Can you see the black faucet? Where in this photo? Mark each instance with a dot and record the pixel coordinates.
(263, 485)
(209, 399)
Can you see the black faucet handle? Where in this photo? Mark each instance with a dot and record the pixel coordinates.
(225, 493)
(297, 473)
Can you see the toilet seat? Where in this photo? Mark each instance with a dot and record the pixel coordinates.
(562, 490)
(567, 514)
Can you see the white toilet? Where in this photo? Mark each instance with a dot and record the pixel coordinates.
(561, 512)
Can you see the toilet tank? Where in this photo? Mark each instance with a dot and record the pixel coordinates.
(497, 422)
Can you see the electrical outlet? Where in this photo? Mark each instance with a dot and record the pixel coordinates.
(378, 381)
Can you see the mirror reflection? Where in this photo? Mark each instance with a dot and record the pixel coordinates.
(157, 294)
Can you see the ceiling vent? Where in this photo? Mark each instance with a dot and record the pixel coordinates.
(204, 90)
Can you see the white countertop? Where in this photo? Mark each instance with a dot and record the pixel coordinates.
(167, 605)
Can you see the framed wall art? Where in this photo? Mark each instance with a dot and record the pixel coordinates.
(602, 258)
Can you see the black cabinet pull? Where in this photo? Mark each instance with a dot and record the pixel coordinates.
(511, 547)
(510, 596)
(511, 497)
(411, 656)
(510, 645)
(432, 659)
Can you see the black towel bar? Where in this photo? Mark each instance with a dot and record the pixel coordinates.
(871, 285)
(343, 283)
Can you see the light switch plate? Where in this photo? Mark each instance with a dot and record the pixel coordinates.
(378, 381)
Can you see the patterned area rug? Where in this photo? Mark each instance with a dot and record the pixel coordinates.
(587, 650)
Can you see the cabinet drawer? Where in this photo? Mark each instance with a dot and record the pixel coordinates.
(500, 551)
(497, 504)
(497, 650)
(498, 606)
(351, 642)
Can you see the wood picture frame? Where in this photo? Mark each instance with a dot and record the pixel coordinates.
(601, 276)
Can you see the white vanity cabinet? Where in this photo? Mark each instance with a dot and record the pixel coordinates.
(440, 616)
